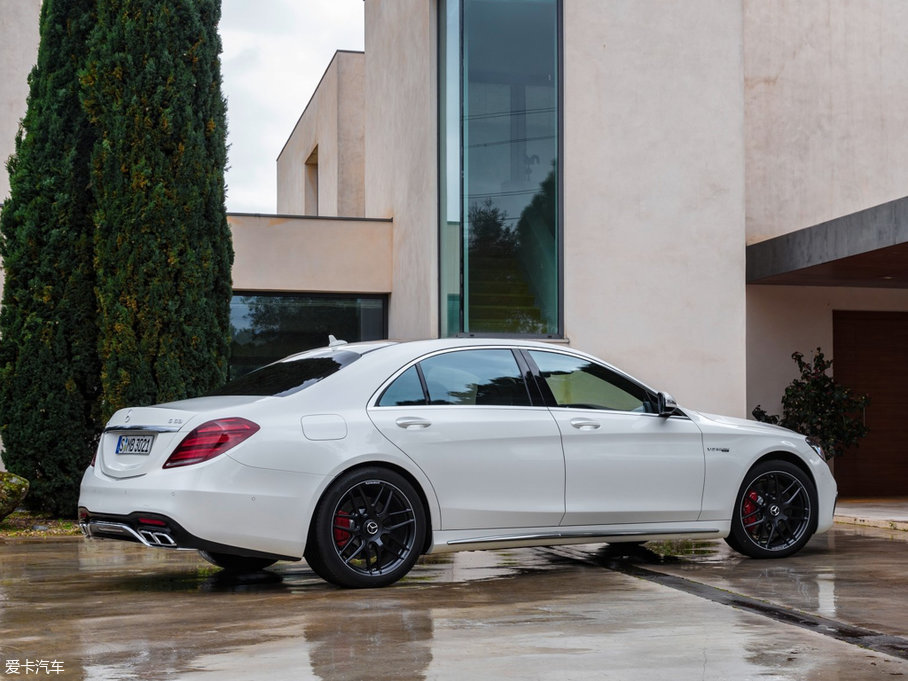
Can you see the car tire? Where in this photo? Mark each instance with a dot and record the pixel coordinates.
(775, 512)
(234, 563)
(368, 529)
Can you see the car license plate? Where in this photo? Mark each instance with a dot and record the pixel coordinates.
(134, 444)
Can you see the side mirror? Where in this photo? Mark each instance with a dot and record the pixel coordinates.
(666, 404)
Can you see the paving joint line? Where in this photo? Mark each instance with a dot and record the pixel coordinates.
(863, 637)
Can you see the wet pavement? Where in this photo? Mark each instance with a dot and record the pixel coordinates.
(110, 610)
(890, 514)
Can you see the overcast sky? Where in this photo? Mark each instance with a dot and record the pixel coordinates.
(275, 52)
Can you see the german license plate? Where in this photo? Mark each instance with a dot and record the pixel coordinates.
(134, 444)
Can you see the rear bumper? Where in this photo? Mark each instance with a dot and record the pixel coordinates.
(157, 531)
(220, 506)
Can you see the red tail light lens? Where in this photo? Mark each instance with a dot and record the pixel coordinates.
(210, 440)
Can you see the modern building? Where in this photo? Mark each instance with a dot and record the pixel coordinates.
(18, 51)
(693, 191)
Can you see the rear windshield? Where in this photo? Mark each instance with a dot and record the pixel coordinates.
(289, 376)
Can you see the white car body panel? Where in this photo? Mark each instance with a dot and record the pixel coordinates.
(625, 467)
(491, 467)
(733, 445)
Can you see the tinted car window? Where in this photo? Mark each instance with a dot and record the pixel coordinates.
(290, 376)
(480, 377)
(405, 391)
(576, 382)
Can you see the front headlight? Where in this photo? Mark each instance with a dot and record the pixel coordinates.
(817, 447)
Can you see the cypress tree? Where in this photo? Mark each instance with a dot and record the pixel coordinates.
(152, 88)
(48, 361)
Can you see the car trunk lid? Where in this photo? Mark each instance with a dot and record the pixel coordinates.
(139, 439)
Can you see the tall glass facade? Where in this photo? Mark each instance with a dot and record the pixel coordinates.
(499, 174)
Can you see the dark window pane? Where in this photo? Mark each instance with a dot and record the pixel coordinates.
(576, 382)
(285, 378)
(405, 391)
(267, 327)
(475, 377)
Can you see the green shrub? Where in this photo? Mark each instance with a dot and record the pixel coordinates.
(163, 250)
(815, 404)
(114, 239)
(49, 369)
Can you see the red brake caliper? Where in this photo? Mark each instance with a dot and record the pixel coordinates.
(341, 536)
(750, 504)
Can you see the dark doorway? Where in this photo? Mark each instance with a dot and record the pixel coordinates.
(870, 353)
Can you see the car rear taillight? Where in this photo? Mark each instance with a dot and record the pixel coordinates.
(210, 440)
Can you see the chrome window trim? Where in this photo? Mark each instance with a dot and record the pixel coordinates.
(514, 349)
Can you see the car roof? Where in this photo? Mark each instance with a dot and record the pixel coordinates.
(408, 350)
(432, 344)
(386, 357)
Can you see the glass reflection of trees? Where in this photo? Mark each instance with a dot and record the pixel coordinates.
(267, 327)
(512, 269)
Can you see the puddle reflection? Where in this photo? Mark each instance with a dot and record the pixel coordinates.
(395, 644)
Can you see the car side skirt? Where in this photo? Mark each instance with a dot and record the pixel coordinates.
(448, 541)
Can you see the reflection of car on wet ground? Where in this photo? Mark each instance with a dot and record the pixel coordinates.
(361, 457)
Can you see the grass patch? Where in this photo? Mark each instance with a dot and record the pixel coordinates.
(26, 524)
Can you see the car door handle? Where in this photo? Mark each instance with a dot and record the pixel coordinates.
(412, 423)
(584, 424)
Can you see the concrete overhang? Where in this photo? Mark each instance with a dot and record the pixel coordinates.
(865, 249)
(312, 254)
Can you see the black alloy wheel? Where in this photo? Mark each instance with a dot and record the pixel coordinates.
(775, 512)
(368, 529)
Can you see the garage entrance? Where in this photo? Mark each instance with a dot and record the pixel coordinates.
(870, 353)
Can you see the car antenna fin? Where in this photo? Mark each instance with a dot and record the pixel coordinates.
(334, 342)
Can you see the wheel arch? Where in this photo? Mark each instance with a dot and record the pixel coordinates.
(782, 455)
(400, 470)
(759, 542)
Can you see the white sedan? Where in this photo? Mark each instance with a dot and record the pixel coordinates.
(362, 457)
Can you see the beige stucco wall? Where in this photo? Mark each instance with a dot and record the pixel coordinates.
(311, 254)
(785, 319)
(401, 154)
(826, 109)
(18, 51)
(654, 193)
(333, 121)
